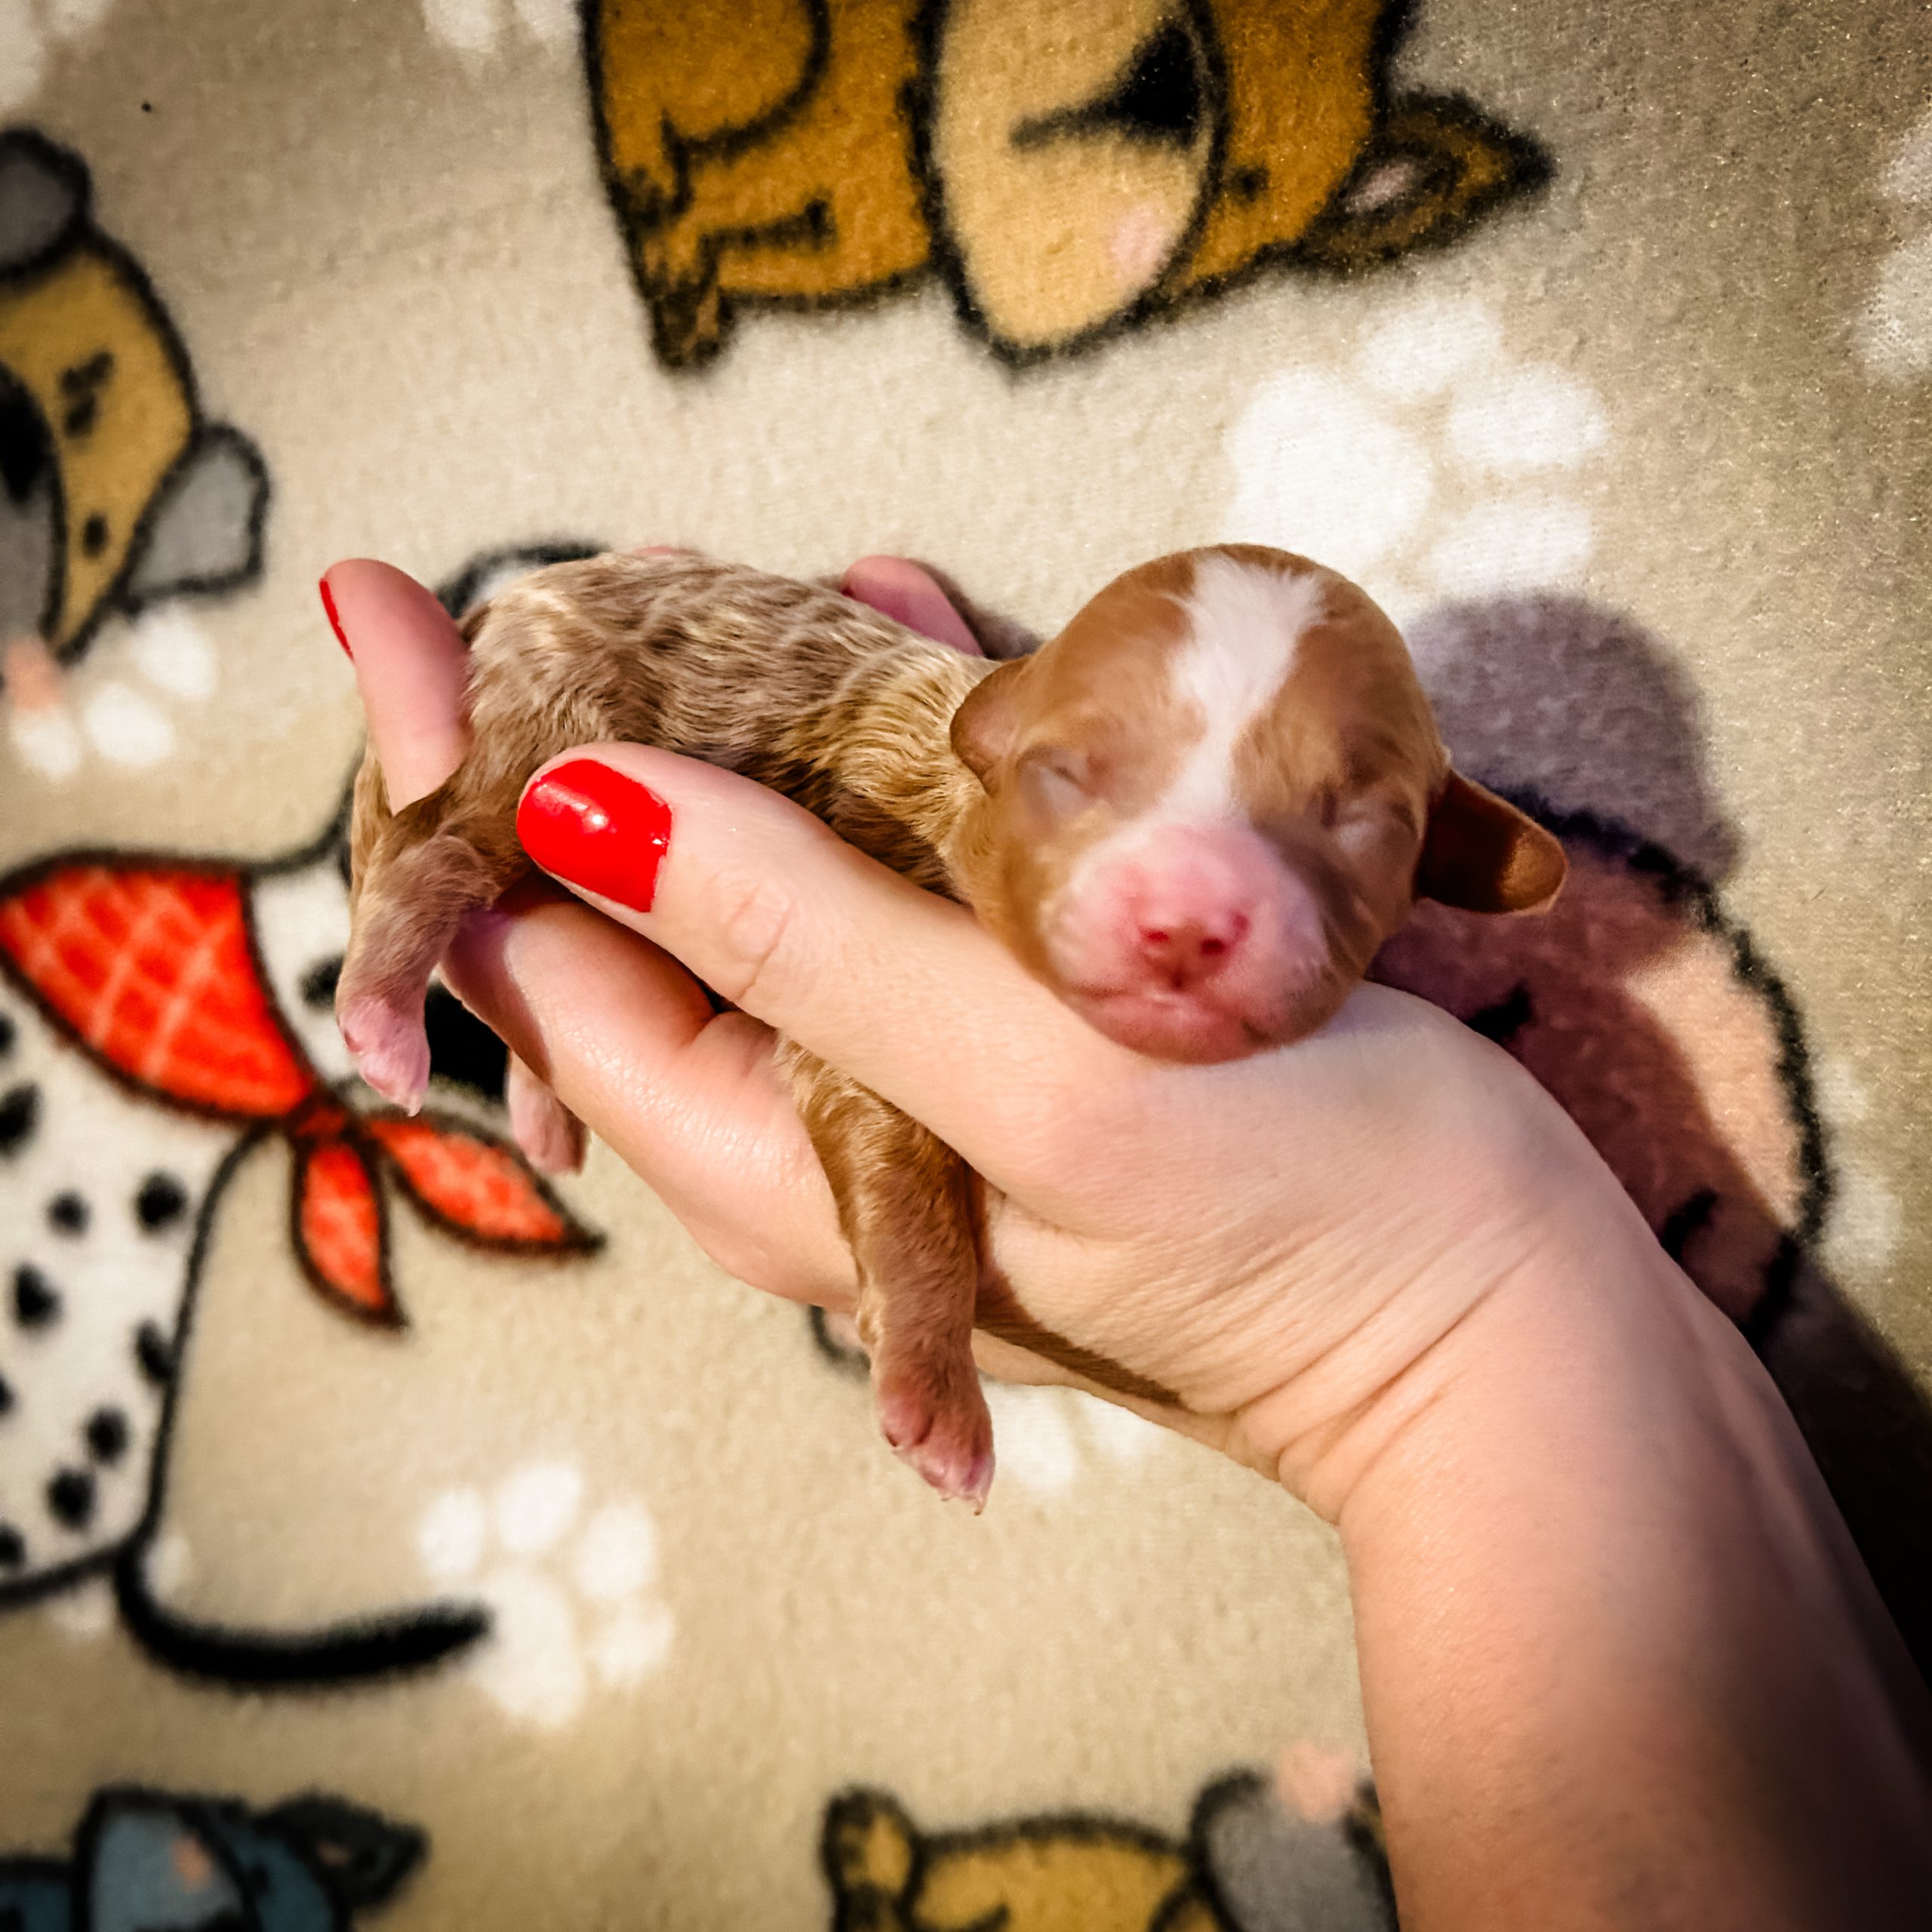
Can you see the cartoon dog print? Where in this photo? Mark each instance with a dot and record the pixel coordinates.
(1649, 1016)
(1248, 1864)
(156, 1859)
(1069, 170)
(161, 1018)
(114, 490)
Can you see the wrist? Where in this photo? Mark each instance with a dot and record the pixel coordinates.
(1599, 1591)
(1511, 1265)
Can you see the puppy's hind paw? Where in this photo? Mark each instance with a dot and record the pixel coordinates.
(935, 1416)
(390, 1050)
(550, 1135)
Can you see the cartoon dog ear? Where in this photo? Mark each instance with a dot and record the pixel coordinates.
(870, 1853)
(1430, 169)
(1481, 854)
(204, 531)
(43, 197)
(359, 1856)
(982, 726)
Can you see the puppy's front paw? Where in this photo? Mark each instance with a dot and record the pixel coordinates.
(933, 1412)
(389, 1047)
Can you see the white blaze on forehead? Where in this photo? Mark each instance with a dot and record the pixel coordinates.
(1245, 625)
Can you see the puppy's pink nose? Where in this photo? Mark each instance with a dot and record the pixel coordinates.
(1184, 952)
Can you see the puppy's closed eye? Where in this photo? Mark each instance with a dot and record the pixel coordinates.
(1362, 825)
(1056, 782)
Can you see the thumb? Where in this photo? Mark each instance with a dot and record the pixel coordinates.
(897, 987)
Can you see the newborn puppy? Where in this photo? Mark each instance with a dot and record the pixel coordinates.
(1194, 814)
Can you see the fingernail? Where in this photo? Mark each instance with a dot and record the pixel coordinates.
(335, 622)
(592, 827)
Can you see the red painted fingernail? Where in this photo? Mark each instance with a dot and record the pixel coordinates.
(592, 827)
(335, 623)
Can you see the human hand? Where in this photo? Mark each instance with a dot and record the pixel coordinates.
(1273, 1251)
(1595, 1575)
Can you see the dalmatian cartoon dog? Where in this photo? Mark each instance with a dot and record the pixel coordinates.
(162, 1018)
(1070, 171)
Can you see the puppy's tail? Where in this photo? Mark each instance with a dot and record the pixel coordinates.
(418, 875)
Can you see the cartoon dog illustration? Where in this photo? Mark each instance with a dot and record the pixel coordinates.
(155, 1859)
(1070, 171)
(162, 1018)
(115, 490)
(1649, 1016)
(1248, 1864)
(1640, 1002)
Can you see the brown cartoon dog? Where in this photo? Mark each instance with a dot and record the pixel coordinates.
(1249, 1863)
(114, 490)
(1070, 171)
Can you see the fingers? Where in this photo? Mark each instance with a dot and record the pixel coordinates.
(902, 590)
(411, 669)
(692, 1101)
(899, 989)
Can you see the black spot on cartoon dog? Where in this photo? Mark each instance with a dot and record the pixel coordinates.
(161, 1202)
(318, 983)
(36, 1300)
(106, 1434)
(68, 1212)
(115, 490)
(70, 1497)
(20, 1110)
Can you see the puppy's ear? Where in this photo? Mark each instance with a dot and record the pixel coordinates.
(983, 726)
(1482, 854)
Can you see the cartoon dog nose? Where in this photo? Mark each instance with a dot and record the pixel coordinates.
(1185, 952)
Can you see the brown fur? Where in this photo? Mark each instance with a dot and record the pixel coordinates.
(918, 754)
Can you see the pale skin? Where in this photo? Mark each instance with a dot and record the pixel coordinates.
(1621, 1665)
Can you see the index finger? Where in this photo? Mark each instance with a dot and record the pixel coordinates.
(411, 667)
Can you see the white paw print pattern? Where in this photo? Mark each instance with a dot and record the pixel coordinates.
(474, 26)
(1867, 1220)
(1893, 332)
(1429, 463)
(1044, 1439)
(572, 1594)
(118, 706)
(28, 29)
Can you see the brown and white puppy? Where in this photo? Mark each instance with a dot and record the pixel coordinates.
(1194, 814)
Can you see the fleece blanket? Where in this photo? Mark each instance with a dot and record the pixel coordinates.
(387, 1536)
